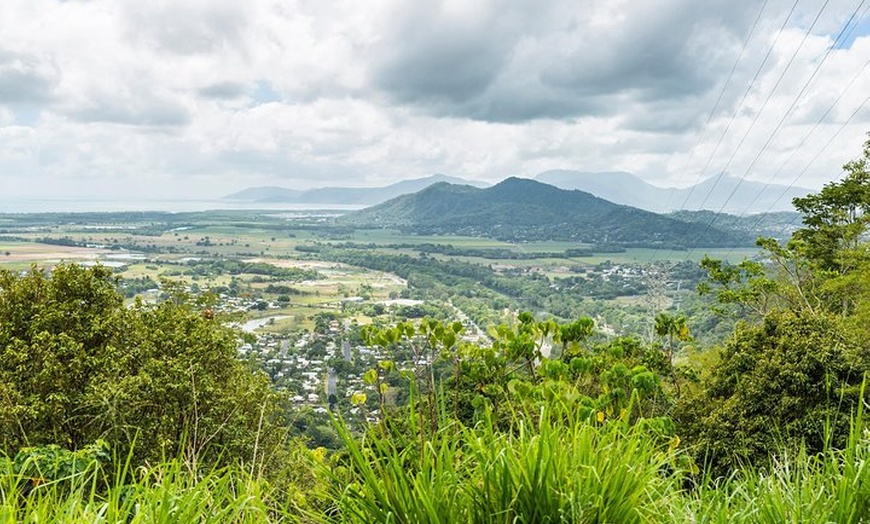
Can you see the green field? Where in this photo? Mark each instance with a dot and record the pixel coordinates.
(171, 248)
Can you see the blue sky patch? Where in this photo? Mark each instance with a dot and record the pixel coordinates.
(26, 115)
(853, 33)
(264, 93)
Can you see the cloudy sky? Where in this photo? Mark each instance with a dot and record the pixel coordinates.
(169, 98)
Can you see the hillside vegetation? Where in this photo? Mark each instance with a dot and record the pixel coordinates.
(524, 210)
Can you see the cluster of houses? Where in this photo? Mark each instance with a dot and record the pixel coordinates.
(316, 369)
(320, 369)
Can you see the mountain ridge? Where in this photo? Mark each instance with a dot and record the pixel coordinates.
(521, 209)
(723, 193)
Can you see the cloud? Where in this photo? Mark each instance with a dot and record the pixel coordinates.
(25, 79)
(223, 90)
(444, 56)
(141, 110)
(518, 61)
(189, 27)
(215, 95)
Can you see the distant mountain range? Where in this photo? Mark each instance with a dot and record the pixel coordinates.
(728, 194)
(520, 209)
(362, 196)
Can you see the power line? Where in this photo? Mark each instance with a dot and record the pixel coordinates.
(843, 36)
(737, 108)
(813, 161)
(722, 93)
(761, 110)
(794, 103)
(740, 104)
(806, 137)
(815, 126)
(804, 171)
(752, 125)
(861, 106)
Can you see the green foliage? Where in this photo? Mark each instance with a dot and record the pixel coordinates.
(786, 382)
(464, 383)
(837, 216)
(55, 338)
(745, 284)
(429, 342)
(553, 468)
(831, 486)
(793, 379)
(571, 335)
(167, 492)
(39, 465)
(131, 287)
(77, 366)
(216, 267)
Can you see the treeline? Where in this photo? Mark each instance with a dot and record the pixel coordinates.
(217, 267)
(131, 287)
(115, 245)
(490, 253)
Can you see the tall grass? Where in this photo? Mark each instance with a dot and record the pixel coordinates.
(553, 468)
(829, 487)
(550, 468)
(582, 473)
(544, 471)
(170, 492)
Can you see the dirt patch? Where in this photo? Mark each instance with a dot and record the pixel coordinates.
(299, 264)
(37, 253)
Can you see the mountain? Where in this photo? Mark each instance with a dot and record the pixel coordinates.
(342, 195)
(615, 186)
(737, 197)
(520, 209)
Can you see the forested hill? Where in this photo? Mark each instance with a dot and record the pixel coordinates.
(521, 209)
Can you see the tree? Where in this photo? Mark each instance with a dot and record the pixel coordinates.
(76, 365)
(781, 383)
(55, 335)
(836, 218)
(792, 375)
(673, 329)
(571, 335)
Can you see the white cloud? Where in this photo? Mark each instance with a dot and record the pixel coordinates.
(209, 96)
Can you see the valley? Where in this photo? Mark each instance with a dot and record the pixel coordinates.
(302, 284)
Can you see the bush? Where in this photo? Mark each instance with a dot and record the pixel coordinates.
(77, 366)
(782, 384)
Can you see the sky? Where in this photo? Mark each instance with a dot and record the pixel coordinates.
(201, 98)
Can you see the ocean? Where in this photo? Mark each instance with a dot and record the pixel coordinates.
(71, 205)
